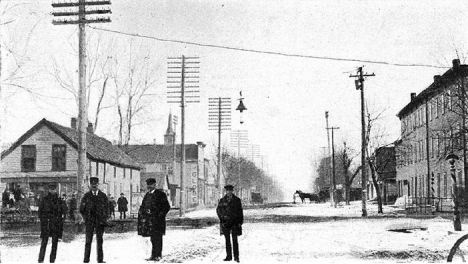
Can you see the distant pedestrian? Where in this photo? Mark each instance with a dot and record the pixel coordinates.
(152, 218)
(65, 206)
(50, 215)
(122, 206)
(231, 218)
(5, 198)
(112, 205)
(72, 206)
(17, 194)
(94, 209)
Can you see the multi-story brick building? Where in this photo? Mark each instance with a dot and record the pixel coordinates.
(431, 127)
(48, 152)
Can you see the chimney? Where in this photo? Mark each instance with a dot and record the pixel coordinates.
(90, 129)
(436, 78)
(73, 123)
(413, 95)
(456, 63)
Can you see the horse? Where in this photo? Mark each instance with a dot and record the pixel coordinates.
(310, 196)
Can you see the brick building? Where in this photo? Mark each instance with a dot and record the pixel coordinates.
(431, 128)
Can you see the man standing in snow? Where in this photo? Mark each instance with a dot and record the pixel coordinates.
(94, 209)
(152, 218)
(231, 218)
(122, 206)
(50, 215)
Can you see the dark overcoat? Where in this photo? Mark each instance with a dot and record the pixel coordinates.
(152, 214)
(230, 214)
(122, 204)
(51, 216)
(94, 209)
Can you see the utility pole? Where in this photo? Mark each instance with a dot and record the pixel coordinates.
(328, 141)
(359, 82)
(78, 16)
(219, 118)
(333, 166)
(239, 139)
(178, 77)
(463, 106)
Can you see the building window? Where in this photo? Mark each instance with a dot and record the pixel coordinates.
(115, 172)
(131, 173)
(59, 157)
(442, 103)
(424, 114)
(104, 173)
(449, 99)
(97, 169)
(445, 184)
(28, 158)
(438, 185)
(124, 172)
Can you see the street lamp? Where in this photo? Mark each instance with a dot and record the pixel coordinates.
(451, 158)
(241, 107)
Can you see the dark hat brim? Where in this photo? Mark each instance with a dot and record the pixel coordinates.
(150, 181)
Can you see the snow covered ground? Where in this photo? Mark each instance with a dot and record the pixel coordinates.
(297, 233)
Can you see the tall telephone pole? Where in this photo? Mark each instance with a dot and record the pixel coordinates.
(359, 82)
(182, 78)
(219, 118)
(333, 166)
(79, 16)
(239, 139)
(328, 141)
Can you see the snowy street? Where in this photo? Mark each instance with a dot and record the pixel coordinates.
(290, 233)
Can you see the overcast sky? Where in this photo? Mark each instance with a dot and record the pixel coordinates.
(286, 95)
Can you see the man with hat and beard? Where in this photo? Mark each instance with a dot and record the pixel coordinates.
(152, 218)
(50, 215)
(94, 209)
(231, 218)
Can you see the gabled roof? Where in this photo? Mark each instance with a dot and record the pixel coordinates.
(159, 153)
(98, 149)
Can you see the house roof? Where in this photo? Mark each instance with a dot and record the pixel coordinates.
(159, 153)
(98, 148)
(439, 84)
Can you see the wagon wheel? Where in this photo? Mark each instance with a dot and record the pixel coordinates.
(459, 250)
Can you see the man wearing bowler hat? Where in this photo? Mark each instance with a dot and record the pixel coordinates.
(50, 215)
(94, 209)
(231, 218)
(152, 218)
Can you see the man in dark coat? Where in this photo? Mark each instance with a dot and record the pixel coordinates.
(94, 209)
(65, 206)
(152, 218)
(5, 198)
(231, 218)
(72, 208)
(50, 215)
(122, 206)
(112, 204)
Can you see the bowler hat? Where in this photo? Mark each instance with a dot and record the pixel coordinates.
(94, 180)
(229, 187)
(150, 181)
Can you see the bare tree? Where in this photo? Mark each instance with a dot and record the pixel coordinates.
(98, 73)
(133, 83)
(375, 138)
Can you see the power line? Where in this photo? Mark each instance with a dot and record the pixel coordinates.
(271, 52)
